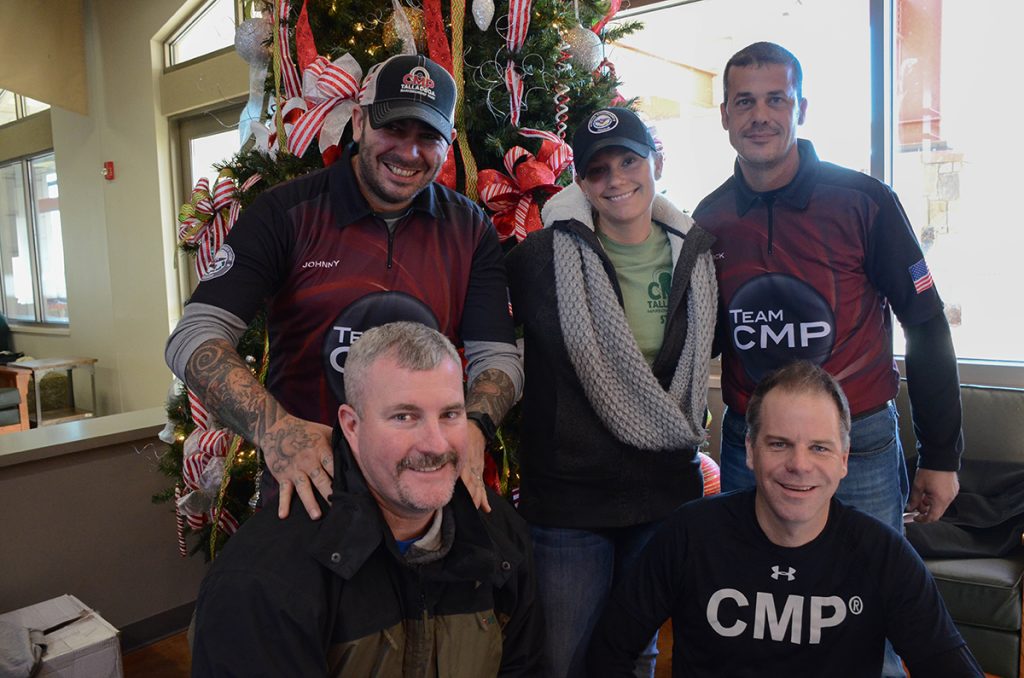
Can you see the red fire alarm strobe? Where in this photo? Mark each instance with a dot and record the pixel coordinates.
(108, 170)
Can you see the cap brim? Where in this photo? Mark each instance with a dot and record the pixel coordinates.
(643, 150)
(383, 112)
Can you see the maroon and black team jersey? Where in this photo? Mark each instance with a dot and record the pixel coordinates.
(811, 272)
(312, 252)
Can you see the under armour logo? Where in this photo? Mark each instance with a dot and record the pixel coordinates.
(789, 574)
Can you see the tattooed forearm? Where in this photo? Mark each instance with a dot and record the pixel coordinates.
(221, 379)
(492, 392)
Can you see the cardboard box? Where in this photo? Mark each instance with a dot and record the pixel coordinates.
(80, 643)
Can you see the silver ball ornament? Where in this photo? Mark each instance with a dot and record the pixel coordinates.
(250, 37)
(584, 48)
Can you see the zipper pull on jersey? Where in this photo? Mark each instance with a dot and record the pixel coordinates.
(391, 224)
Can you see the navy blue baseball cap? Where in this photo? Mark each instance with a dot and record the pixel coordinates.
(610, 127)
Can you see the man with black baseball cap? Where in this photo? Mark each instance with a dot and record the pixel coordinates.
(369, 240)
(410, 87)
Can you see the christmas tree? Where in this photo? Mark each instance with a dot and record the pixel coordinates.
(526, 72)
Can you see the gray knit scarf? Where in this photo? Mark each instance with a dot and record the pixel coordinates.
(617, 380)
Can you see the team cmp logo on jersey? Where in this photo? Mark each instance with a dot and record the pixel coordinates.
(361, 315)
(775, 319)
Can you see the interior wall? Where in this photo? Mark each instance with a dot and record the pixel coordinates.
(53, 70)
(119, 236)
(84, 524)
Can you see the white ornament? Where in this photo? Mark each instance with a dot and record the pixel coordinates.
(483, 12)
(168, 434)
(584, 48)
(250, 41)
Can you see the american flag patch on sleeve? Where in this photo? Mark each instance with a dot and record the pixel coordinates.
(921, 276)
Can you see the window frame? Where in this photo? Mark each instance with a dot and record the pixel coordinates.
(881, 51)
(21, 114)
(28, 196)
(187, 23)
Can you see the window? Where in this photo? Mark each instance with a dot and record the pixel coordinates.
(930, 140)
(953, 164)
(211, 28)
(14, 106)
(31, 244)
(8, 107)
(30, 106)
(674, 66)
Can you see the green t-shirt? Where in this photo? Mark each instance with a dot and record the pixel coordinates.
(644, 271)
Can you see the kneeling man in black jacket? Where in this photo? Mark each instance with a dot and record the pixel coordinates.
(403, 576)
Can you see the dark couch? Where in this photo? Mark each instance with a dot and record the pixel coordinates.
(979, 570)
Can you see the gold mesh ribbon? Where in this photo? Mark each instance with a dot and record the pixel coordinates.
(282, 138)
(468, 163)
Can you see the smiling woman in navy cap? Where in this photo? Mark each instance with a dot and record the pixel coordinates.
(617, 299)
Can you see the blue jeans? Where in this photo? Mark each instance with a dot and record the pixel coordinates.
(576, 571)
(876, 481)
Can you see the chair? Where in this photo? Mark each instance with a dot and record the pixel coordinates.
(984, 595)
(13, 399)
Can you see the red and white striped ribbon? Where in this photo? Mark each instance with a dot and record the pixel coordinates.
(200, 449)
(512, 156)
(514, 85)
(522, 215)
(213, 219)
(179, 523)
(326, 86)
(223, 194)
(290, 75)
(557, 156)
(199, 413)
(207, 227)
(191, 229)
(208, 248)
(236, 205)
(226, 522)
(195, 523)
(513, 197)
(518, 25)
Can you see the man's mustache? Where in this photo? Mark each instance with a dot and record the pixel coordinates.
(428, 460)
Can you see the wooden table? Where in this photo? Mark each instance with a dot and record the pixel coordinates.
(70, 412)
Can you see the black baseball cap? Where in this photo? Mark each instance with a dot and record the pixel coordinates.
(410, 86)
(610, 127)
